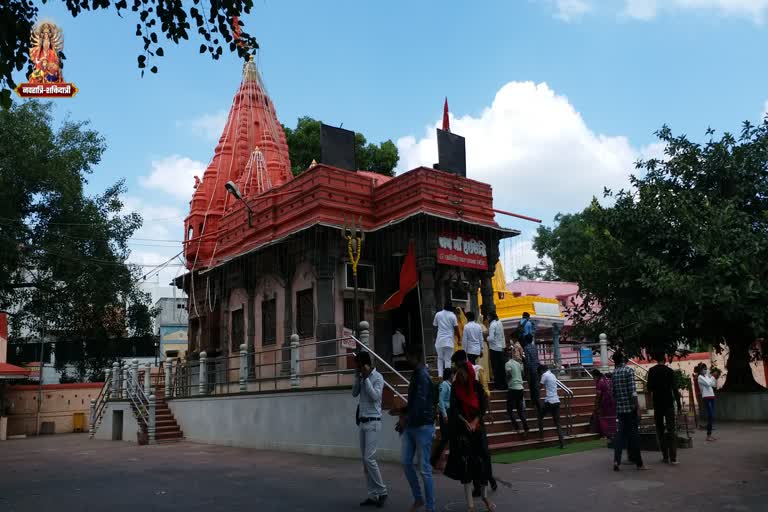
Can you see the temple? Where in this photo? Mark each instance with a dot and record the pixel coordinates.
(274, 261)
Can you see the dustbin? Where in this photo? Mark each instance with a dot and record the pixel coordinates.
(78, 422)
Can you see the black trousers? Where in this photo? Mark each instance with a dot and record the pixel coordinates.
(628, 434)
(438, 450)
(498, 360)
(666, 432)
(534, 384)
(553, 409)
(515, 402)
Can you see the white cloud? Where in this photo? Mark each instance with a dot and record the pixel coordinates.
(208, 126)
(648, 9)
(535, 149)
(640, 9)
(572, 10)
(175, 175)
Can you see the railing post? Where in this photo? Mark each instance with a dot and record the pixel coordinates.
(107, 383)
(124, 379)
(556, 345)
(364, 333)
(151, 419)
(135, 373)
(295, 360)
(115, 380)
(148, 379)
(92, 427)
(168, 363)
(243, 366)
(203, 384)
(604, 353)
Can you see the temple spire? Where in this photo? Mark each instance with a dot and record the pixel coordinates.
(446, 121)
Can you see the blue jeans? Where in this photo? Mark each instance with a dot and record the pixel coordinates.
(709, 403)
(419, 440)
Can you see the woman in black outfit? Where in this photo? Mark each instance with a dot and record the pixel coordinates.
(467, 460)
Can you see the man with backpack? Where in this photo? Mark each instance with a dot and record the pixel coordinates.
(525, 330)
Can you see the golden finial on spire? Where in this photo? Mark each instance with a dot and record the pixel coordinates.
(314, 163)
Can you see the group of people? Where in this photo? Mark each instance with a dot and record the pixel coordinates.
(461, 406)
(617, 412)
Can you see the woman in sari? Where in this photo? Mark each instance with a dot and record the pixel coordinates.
(605, 407)
(467, 460)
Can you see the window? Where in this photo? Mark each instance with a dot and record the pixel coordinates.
(305, 313)
(238, 330)
(268, 322)
(365, 277)
(349, 313)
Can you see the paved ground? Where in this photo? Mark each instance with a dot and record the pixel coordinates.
(71, 473)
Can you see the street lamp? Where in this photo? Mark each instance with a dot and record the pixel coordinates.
(232, 189)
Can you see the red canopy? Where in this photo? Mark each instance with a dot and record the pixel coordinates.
(9, 371)
(409, 278)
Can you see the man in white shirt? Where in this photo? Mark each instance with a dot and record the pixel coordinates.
(496, 344)
(472, 338)
(551, 402)
(446, 328)
(398, 347)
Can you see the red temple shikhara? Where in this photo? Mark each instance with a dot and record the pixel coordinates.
(287, 270)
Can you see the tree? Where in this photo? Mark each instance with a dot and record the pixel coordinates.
(62, 263)
(679, 258)
(304, 146)
(543, 271)
(154, 19)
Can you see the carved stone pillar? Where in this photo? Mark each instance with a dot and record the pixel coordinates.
(425, 265)
(486, 291)
(326, 261)
(250, 337)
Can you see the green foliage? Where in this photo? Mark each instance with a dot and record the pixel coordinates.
(62, 267)
(680, 257)
(304, 146)
(682, 380)
(543, 271)
(154, 19)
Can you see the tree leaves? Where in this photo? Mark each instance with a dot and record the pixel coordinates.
(65, 251)
(304, 146)
(680, 257)
(211, 17)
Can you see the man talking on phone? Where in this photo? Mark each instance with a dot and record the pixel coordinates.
(369, 385)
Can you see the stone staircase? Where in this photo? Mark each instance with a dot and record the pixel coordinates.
(166, 428)
(502, 437)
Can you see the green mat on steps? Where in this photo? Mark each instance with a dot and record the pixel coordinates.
(542, 453)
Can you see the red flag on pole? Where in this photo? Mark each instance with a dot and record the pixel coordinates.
(409, 278)
(446, 121)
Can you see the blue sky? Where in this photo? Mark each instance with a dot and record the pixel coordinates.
(556, 97)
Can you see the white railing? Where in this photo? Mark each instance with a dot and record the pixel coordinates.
(310, 364)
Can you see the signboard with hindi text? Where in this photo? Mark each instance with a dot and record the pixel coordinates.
(461, 251)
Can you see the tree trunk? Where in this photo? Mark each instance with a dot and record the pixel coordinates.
(740, 378)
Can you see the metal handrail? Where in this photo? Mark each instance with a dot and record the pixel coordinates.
(101, 401)
(139, 401)
(568, 392)
(387, 365)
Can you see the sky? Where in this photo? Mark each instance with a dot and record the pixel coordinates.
(556, 98)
